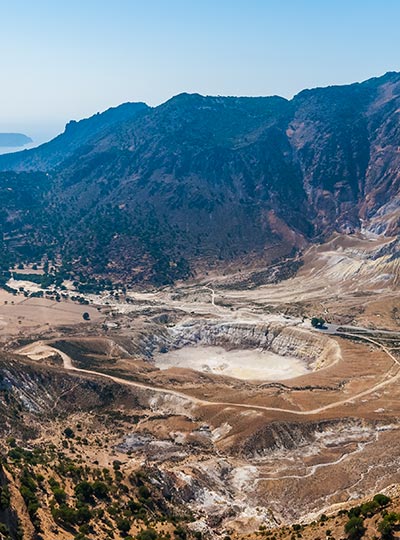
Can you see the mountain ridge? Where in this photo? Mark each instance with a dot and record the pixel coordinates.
(11, 160)
(203, 179)
(76, 135)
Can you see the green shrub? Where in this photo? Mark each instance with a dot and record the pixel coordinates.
(317, 322)
(64, 515)
(5, 498)
(388, 525)
(147, 534)
(369, 508)
(100, 489)
(144, 493)
(68, 432)
(80, 536)
(180, 533)
(382, 499)
(84, 491)
(59, 495)
(354, 528)
(28, 491)
(83, 515)
(355, 511)
(123, 525)
(4, 531)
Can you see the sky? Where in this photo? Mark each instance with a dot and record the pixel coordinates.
(68, 59)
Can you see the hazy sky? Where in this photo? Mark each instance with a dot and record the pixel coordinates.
(63, 59)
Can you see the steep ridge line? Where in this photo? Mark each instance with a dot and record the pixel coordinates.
(40, 348)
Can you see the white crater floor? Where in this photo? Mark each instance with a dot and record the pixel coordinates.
(252, 364)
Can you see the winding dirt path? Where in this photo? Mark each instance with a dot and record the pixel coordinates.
(314, 468)
(41, 349)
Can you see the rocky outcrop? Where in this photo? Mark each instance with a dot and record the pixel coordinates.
(278, 437)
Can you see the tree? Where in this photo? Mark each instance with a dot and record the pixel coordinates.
(100, 489)
(69, 433)
(354, 528)
(382, 499)
(123, 525)
(116, 465)
(59, 495)
(388, 525)
(369, 508)
(64, 515)
(84, 491)
(317, 322)
(86, 316)
(83, 514)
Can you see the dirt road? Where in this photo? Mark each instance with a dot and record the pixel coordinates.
(39, 350)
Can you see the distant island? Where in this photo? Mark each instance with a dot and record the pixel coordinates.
(14, 140)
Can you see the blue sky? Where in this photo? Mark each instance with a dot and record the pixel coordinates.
(69, 59)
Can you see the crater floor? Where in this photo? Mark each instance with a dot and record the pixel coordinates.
(246, 364)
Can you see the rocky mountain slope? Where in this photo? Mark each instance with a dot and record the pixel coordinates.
(75, 137)
(156, 192)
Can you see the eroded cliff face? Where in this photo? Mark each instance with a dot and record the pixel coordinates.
(316, 350)
(346, 140)
(29, 392)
